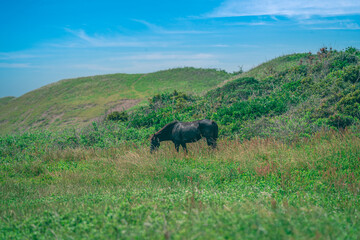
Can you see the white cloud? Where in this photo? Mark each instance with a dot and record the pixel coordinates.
(248, 24)
(336, 24)
(16, 55)
(220, 46)
(161, 30)
(298, 8)
(85, 40)
(346, 27)
(15, 65)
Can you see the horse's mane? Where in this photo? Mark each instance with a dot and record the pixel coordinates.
(166, 127)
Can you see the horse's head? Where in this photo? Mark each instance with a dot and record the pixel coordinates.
(155, 143)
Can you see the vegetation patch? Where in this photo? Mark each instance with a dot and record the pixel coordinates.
(82, 100)
(286, 165)
(260, 188)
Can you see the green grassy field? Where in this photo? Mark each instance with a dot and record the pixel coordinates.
(77, 102)
(287, 164)
(251, 190)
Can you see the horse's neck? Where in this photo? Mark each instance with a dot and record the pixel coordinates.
(165, 134)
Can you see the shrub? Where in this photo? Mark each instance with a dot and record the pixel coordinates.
(176, 99)
(118, 116)
(342, 60)
(352, 73)
(350, 104)
(351, 50)
(301, 69)
(340, 120)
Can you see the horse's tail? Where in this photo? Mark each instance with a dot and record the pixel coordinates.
(216, 129)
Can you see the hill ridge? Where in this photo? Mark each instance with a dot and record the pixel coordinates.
(77, 101)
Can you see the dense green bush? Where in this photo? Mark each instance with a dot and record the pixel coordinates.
(350, 104)
(352, 73)
(342, 59)
(118, 116)
(340, 120)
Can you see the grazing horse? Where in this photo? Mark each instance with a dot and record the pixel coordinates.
(181, 133)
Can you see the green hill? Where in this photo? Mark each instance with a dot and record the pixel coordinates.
(293, 95)
(76, 102)
(5, 100)
(286, 164)
(289, 97)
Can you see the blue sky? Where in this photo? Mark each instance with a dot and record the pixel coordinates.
(43, 41)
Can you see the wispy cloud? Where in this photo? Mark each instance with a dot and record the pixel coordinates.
(347, 27)
(82, 39)
(161, 30)
(328, 24)
(302, 8)
(249, 24)
(15, 65)
(220, 45)
(16, 55)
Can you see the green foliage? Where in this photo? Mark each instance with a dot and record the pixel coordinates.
(352, 50)
(5, 100)
(350, 104)
(340, 120)
(342, 59)
(323, 87)
(118, 116)
(257, 189)
(177, 99)
(287, 163)
(164, 108)
(352, 73)
(319, 92)
(239, 89)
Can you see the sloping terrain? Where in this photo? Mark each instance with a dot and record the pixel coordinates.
(5, 100)
(291, 96)
(76, 102)
(286, 164)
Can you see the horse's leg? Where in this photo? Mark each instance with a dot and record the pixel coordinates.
(211, 142)
(184, 147)
(177, 146)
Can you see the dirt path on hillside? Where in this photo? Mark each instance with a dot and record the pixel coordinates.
(119, 106)
(133, 85)
(123, 104)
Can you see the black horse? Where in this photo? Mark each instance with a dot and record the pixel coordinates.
(186, 132)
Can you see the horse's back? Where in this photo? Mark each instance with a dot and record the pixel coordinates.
(186, 132)
(193, 131)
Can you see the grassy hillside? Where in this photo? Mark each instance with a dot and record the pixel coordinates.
(286, 166)
(5, 100)
(76, 102)
(289, 97)
(278, 64)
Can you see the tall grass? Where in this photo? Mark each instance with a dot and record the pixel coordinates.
(260, 188)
